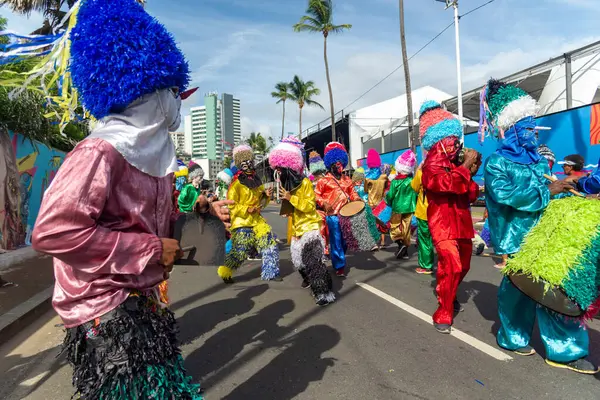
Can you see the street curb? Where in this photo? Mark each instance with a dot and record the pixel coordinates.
(24, 314)
(13, 257)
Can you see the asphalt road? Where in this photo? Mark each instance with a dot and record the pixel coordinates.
(257, 340)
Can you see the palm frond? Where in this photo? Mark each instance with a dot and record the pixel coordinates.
(313, 103)
(306, 28)
(339, 28)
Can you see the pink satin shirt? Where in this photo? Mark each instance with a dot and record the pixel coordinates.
(101, 220)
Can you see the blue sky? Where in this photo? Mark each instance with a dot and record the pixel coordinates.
(244, 47)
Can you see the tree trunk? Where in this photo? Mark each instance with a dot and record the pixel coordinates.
(411, 135)
(283, 121)
(300, 122)
(333, 136)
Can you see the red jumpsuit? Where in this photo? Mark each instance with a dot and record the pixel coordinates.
(450, 192)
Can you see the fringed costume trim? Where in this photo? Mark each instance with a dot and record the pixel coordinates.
(129, 353)
(307, 257)
(245, 239)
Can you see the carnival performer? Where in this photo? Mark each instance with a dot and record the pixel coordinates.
(424, 241)
(249, 230)
(402, 198)
(516, 195)
(191, 192)
(333, 192)
(317, 168)
(224, 179)
(450, 190)
(375, 186)
(358, 179)
(110, 238)
(307, 246)
(180, 180)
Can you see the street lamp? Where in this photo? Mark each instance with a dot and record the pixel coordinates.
(454, 4)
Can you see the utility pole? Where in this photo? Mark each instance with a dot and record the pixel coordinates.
(454, 4)
(411, 135)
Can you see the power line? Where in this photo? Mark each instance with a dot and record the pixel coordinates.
(401, 65)
(414, 55)
(477, 8)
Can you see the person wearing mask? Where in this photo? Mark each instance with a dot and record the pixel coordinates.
(448, 173)
(107, 218)
(333, 192)
(517, 194)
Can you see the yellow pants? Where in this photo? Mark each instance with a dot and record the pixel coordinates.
(400, 228)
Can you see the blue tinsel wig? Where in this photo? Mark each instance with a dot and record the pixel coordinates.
(120, 53)
(335, 155)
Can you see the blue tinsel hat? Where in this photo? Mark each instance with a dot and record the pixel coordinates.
(111, 53)
(334, 152)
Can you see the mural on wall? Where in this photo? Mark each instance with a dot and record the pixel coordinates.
(26, 170)
(575, 131)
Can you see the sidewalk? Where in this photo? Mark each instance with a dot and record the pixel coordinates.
(33, 277)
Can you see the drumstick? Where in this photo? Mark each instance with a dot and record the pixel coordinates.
(554, 179)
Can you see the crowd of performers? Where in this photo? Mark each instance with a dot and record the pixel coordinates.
(108, 216)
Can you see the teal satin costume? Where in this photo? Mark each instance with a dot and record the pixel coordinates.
(516, 195)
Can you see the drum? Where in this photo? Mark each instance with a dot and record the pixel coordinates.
(202, 238)
(359, 227)
(558, 263)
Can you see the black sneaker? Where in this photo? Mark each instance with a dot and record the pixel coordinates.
(581, 366)
(402, 253)
(525, 351)
(480, 249)
(228, 281)
(277, 279)
(458, 307)
(305, 284)
(442, 328)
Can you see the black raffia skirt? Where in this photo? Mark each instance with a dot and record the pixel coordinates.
(129, 353)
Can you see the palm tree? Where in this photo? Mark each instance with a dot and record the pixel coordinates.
(411, 135)
(320, 19)
(282, 94)
(258, 143)
(302, 93)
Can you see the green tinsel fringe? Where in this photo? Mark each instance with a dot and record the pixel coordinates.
(504, 96)
(160, 382)
(563, 248)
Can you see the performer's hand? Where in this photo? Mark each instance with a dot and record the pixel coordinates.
(557, 187)
(475, 167)
(252, 210)
(171, 252)
(327, 207)
(284, 194)
(220, 210)
(471, 157)
(202, 204)
(269, 192)
(167, 272)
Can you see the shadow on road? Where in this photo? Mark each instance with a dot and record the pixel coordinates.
(221, 348)
(290, 373)
(202, 319)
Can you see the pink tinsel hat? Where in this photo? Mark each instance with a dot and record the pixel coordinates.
(405, 164)
(373, 159)
(293, 140)
(287, 155)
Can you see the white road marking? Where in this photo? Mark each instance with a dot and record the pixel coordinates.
(470, 340)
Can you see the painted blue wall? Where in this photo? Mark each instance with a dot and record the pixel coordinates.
(569, 134)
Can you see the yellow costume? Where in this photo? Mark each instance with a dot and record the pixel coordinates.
(249, 230)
